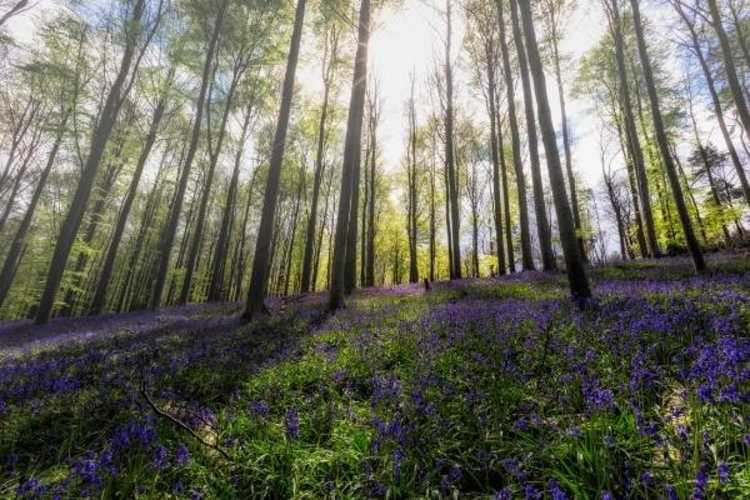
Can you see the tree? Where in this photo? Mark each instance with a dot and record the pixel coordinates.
(526, 256)
(578, 281)
(330, 63)
(136, 30)
(261, 261)
(352, 151)
(663, 142)
(412, 182)
(695, 45)
(450, 160)
(630, 131)
(542, 223)
(554, 10)
(170, 229)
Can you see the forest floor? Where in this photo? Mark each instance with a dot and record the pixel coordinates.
(491, 388)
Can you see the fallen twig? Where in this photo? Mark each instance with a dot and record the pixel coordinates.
(179, 423)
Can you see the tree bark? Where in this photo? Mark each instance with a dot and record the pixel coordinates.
(579, 283)
(526, 255)
(347, 209)
(259, 279)
(108, 118)
(631, 133)
(170, 230)
(542, 223)
(455, 216)
(663, 142)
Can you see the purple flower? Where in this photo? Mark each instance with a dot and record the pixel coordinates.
(291, 424)
(160, 459)
(723, 471)
(701, 481)
(555, 491)
(503, 494)
(182, 455)
(259, 408)
(31, 489)
(531, 492)
(606, 495)
(671, 493)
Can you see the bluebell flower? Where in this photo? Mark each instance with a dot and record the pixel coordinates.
(182, 454)
(291, 424)
(259, 408)
(555, 491)
(606, 495)
(723, 470)
(160, 458)
(31, 489)
(503, 494)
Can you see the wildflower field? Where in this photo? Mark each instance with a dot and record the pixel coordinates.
(496, 388)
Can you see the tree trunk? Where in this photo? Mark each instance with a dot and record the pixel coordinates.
(526, 255)
(542, 223)
(554, 35)
(494, 150)
(663, 141)
(631, 133)
(710, 83)
(217, 290)
(370, 267)
(100, 295)
(455, 223)
(256, 295)
(170, 230)
(19, 241)
(579, 284)
(347, 209)
(101, 134)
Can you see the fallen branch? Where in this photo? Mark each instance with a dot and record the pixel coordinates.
(179, 423)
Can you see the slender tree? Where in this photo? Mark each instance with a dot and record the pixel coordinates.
(542, 223)
(135, 27)
(169, 231)
(261, 260)
(579, 284)
(526, 255)
(631, 133)
(352, 153)
(663, 142)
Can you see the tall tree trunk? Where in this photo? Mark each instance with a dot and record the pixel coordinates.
(523, 213)
(663, 141)
(412, 190)
(718, 111)
(455, 223)
(370, 267)
(579, 283)
(19, 240)
(214, 153)
(259, 279)
(489, 50)
(329, 65)
(100, 295)
(542, 223)
(117, 94)
(170, 230)
(631, 133)
(217, 290)
(555, 40)
(240, 269)
(729, 66)
(347, 209)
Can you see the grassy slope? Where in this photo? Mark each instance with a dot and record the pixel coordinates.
(478, 388)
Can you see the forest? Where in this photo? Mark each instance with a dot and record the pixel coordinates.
(375, 249)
